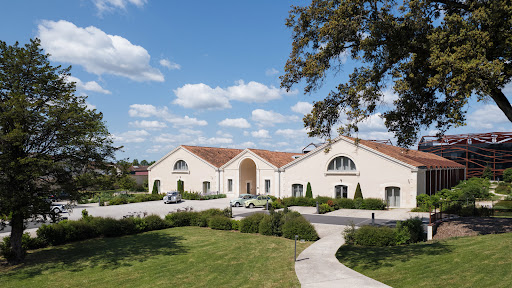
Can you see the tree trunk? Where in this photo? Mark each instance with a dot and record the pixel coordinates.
(503, 103)
(18, 254)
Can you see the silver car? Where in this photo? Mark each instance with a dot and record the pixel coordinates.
(239, 202)
(172, 197)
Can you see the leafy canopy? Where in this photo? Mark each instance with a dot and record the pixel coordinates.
(437, 54)
(48, 137)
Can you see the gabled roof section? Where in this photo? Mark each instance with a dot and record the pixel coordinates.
(277, 159)
(412, 157)
(215, 156)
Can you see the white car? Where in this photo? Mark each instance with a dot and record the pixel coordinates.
(172, 197)
(58, 208)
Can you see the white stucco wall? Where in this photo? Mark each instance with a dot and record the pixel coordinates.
(263, 172)
(198, 172)
(374, 173)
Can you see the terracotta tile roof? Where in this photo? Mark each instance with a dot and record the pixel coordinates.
(411, 157)
(277, 159)
(139, 168)
(215, 156)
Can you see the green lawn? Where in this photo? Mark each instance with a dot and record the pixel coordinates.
(177, 257)
(482, 261)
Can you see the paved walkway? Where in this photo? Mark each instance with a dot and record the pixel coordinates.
(317, 266)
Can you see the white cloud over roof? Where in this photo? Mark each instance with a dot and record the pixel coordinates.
(98, 52)
(236, 123)
(270, 118)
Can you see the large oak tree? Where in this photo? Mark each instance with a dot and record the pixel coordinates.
(438, 55)
(48, 137)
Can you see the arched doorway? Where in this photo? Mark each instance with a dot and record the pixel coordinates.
(247, 177)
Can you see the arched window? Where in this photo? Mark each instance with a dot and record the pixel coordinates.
(297, 190)
(181, 166)
(341, 163)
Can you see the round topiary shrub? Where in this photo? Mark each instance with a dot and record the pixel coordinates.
(369, 235)
(299, 226)
(251, 224)
(154, 222)
(219, 222)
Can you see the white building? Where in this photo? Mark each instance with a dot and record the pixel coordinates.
(334, 169)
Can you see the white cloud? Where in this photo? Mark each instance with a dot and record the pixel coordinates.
(237, 123)
(202, 96)
(262, 133)
(136, 136)
(292, 133)
(88, 86)
(98, 52)
(246, 133)
(165, 138)
(224, 134)
(375, 135)
(111, 5)
(302, 107)
(89, 106)
(146, 110)
(270, 118)
(187, 121)
(212, 141)
(486, 117)
(169, 64)
(389, 96)
(374, 122)
(189, 131)
(271, 71)
(144, 124)
(255, 92)
(247, 144)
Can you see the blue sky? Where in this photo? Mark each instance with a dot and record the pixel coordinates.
(165, 73)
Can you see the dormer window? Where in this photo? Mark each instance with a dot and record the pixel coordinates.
(180, 165)
(341, 164)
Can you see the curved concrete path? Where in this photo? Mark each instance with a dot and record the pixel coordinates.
(317, 266)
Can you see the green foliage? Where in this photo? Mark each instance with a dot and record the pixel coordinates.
(507, 175)
(487, 173)
(299, 226)
(27, 242)
(48, 137)
(155, 222)
(181, 187)
(219, 222)
(439, 54)
(409, 231)
(204, 216)
(155, 188)
(309, 193)
(135, 162)
(344, 203)
(503, 188)
(374, 204)
(251, 223)
(368, 235)
(235, 224)
(503, 204)
(180, 219)
(325, 208)
(358, 194)
(198, 196)
(271, 224)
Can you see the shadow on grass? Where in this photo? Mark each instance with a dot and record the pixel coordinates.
(105, 253)
(377, 257)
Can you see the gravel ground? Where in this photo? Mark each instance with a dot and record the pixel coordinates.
(472, 226)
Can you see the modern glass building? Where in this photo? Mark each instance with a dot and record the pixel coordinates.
(475, 151)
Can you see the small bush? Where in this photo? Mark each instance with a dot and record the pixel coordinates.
(344, 203)
(270, 225)
(358, 194)
(154, 222)
(373, 204)
(507, 175)
(309, 192)
(409, 231)
(325, 208)
(180, 219)
(299, 226)
(204, 216)
(251, 224)
(359, 203)
(503, 188)
(219, 222)
(235, 224)
(369, 235)
(27, 243)
(277, 204)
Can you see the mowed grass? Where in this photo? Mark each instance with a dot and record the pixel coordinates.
(481, 261)
(177, 257)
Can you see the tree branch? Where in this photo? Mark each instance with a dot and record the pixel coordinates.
(502, 101)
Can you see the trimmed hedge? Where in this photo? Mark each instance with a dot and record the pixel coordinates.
(301, 227)
(251, 224)
(270, 225)
(219, 222)
(406, 232)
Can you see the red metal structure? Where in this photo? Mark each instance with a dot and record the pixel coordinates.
(475, 151)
